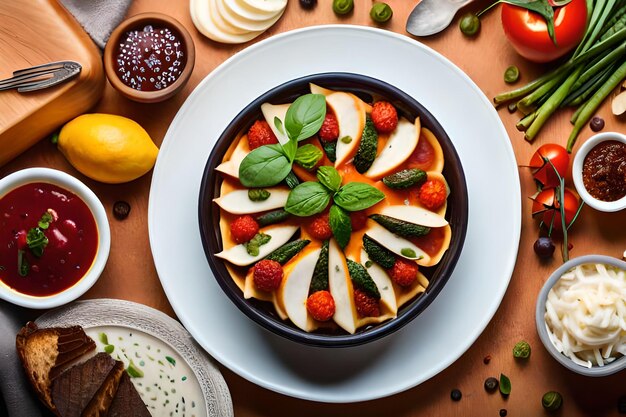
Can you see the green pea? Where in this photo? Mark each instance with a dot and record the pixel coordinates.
(342, 7)
(381, 12)
(469, 24)
(552, 401)
(511, 74)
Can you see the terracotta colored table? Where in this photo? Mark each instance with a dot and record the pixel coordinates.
(130, 273)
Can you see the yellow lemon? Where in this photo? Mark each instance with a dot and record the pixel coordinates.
(107, 148)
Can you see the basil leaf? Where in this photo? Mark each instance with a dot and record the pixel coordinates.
(290, 149)
(263, 167)
(36, 241)
(541, 7)
(505, 384)
(329, 177)
(307, 199)
(258, 194)
(252, 247)
(356, 196)
(45, 220)
(340, 224)
(307, 156)
(278, 124)
(305, 116)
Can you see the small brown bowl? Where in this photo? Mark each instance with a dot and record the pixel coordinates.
(138, 22)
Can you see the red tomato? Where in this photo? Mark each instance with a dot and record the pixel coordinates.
(544, 170)
(547, 204)
(528, 32)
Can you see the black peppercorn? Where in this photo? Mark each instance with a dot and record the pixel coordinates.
(456, 395)
(596, 124)
(487, 359)
(121, 210)
(503, 412)
(308, 4)
(491, 384)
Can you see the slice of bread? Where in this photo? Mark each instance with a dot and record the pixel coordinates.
(46, 352)
(127, 402)
(101, 401)
(74, 389)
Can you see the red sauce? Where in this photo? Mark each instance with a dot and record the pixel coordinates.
(72, 239)
(604, 171)
(150, 59)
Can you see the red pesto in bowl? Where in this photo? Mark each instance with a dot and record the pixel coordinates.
(72, 237)
(604, 171)
(150, 58)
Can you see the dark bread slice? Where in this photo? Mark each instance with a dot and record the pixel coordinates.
(44, 353)
(73, 390)
(127, 402)
(101, 401)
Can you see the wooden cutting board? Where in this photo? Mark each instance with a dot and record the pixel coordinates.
(34, 33)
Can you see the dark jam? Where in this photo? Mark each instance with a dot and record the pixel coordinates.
(150, 59)
(72, 239)
(604, 171)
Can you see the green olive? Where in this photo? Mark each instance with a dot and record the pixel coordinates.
(381, 12)
(469, 24)
(552, 401)
(343, 6)
(511, 74)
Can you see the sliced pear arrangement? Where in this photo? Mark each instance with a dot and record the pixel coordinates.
(239, 202)
(279, 235)
(235, 21)
(401, 200)
(399, 147)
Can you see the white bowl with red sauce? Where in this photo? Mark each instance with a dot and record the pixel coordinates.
(599, 171)
(54, 235)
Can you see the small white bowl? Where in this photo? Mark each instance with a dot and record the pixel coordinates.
(618, 364)
(577, 172)
(66, 181)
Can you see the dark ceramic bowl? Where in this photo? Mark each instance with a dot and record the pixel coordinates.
(457, 213)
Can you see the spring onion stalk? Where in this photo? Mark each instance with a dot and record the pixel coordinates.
(584, 80)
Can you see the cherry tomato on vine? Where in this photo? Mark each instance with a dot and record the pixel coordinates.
(528, 32)
(547, 205)
(544, 171)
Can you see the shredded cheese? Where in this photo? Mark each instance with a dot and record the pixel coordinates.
(586, 314)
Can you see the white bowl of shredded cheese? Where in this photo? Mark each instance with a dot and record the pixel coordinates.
(581, 315)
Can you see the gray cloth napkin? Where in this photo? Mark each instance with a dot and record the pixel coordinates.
(98, 17)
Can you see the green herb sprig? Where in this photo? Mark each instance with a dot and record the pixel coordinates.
(36, 241)
(311, 197)
(270, 164)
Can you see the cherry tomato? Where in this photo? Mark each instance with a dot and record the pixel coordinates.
(528, 32)
(547, 205)
(544, 173)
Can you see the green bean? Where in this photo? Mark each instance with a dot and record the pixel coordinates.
(580, 93)
(525, 123)
(613, 27)
(594, 102)
(596, 14)
(525, 103)
(600, 64)
(546, 110)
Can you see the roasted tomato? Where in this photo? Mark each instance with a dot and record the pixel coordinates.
(528, 31)
(544, 171)
(547, 205)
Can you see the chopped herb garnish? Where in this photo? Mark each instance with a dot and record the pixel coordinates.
(252, 247)
(368, 263)
(408, 252)
(103, 338)
(23, 267)
(258, 194)
(171, 360)
(133, 371)
(346, 139)
(45, 220)
(36, 241)
(109, 349)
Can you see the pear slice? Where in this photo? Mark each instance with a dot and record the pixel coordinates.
(265, 6)
(383, 283)
(415, 215)
(231, 167)
(238, 255)
(399, 147)
(340, 286)
(351, 120)
(250, 290)
(396, 244)
(238, 202)
(245, 11)
(221, 23)
(294, 289)
(272, 111)
(201, 17)
(316, 89)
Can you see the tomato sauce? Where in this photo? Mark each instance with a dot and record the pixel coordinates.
(72, 239)
(604, 171)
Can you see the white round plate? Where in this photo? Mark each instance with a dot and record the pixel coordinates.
(139, 332)
(448, 327)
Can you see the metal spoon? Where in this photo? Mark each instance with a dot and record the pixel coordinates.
(433, 16)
